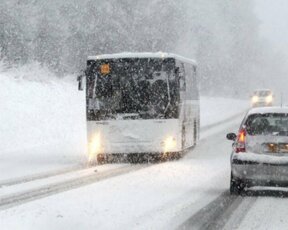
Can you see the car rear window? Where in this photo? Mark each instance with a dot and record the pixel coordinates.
(267, 124)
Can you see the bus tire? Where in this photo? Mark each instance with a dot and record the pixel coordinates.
(101, 159)
(176, 156)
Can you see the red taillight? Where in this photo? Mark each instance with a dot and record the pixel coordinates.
(240, 142)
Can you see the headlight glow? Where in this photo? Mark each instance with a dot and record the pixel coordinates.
(169, 144)
(269, 99)
(255, 99)
(94, 147)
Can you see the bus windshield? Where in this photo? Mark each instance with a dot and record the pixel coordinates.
(132, 88)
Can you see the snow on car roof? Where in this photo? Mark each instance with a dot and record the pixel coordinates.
(261, 90)
(142, 55)
(274, 109)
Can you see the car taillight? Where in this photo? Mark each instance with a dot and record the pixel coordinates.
(240, 142)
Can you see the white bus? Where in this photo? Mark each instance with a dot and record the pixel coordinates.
(141, 104)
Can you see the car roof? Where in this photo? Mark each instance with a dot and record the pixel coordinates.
(263, 110)
(142, 55)
(262, 90)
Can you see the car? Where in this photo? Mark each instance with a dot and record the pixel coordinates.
(262, 97)
(260, 150)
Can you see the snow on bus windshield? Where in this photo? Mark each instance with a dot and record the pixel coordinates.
(140, 88)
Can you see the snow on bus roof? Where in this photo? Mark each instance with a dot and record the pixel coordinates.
(142, 55)
(273, 109)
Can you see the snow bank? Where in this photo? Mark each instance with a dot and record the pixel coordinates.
(42, 120)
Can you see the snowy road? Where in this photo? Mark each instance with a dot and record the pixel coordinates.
(216, 214)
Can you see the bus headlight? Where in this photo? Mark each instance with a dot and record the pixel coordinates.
(169, 144)
(94, 146)
(269, 99)
(255, 99)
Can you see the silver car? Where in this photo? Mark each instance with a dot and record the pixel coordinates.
(260, 149)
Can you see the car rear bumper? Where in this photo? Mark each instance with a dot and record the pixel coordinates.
(261, 104)
(261, 172)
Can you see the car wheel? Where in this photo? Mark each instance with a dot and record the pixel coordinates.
(236, 185)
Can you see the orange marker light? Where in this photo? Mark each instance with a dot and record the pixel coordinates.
(242, 136)
(105, 69)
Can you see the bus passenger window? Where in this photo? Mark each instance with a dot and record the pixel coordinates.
(182, 84)
(182, 79)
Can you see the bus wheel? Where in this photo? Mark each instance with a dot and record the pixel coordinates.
(101, 159)
(178, 155)
(175, 156)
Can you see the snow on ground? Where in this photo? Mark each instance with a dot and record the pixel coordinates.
(42, 122)
(267, 213)
(216, 109)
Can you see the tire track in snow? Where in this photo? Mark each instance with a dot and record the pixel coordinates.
(12, 200)
(239, 214)
(38, 176)
(216, 214)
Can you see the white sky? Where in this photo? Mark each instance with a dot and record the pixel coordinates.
(273, 15)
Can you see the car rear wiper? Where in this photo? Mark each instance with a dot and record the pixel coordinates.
(280, 133)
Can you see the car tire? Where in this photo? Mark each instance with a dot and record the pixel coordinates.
(236, 185)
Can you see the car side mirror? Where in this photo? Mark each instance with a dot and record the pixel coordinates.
(231, 136)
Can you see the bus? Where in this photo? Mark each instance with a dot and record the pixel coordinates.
(140, 104)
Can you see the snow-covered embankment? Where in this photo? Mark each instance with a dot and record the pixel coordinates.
(42, 121)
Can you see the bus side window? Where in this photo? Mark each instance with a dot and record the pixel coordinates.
(181, 75)
(195, 84)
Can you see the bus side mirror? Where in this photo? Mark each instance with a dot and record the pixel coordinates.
(80, 83)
